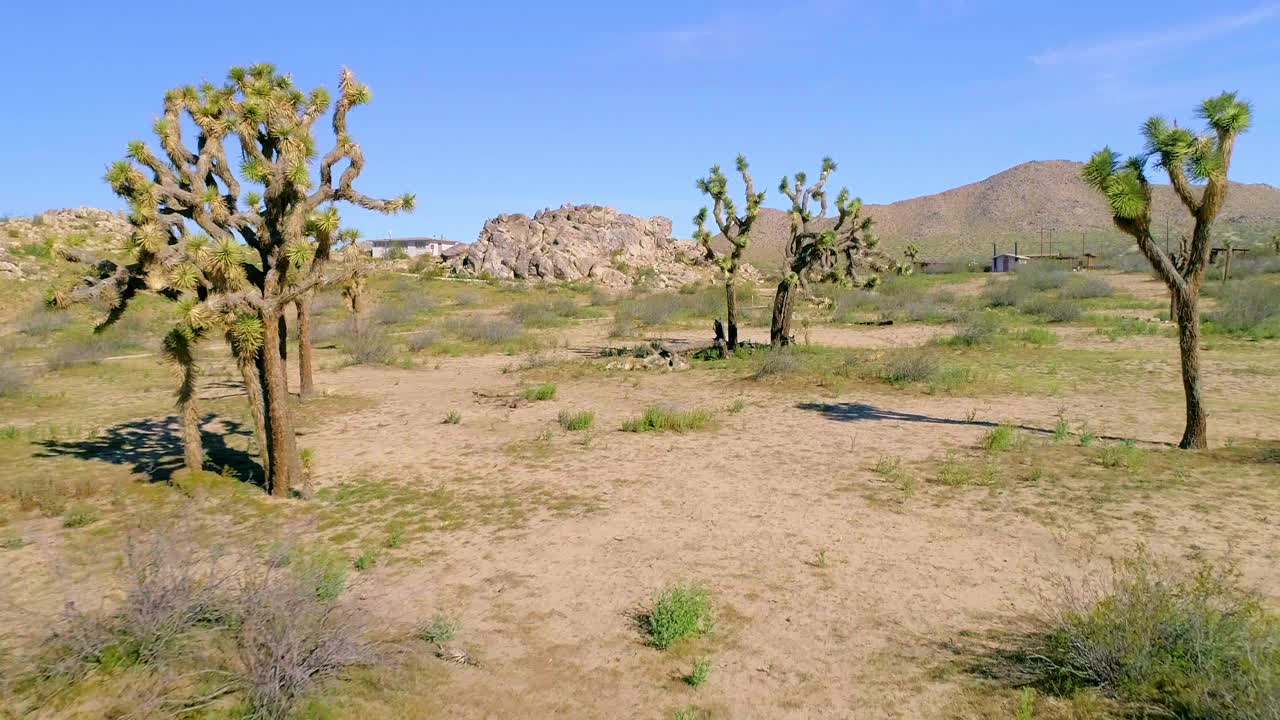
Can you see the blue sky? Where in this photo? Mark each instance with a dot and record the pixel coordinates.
(482, 108)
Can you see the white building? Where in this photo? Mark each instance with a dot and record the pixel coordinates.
(413, 246)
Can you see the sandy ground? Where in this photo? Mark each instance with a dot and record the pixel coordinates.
(745, 510)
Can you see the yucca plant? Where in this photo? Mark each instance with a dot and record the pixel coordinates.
(817, 249)
(237, 257)
(734, 228)
(1187, 158)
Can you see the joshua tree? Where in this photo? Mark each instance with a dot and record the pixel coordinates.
(735, 228)
(252, 259)
(1185, 157)
(327, 241)
(839, 251)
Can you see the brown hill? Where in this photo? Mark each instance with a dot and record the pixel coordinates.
(1016, 205)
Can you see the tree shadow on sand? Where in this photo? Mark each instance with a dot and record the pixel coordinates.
(862, 412)
(153, 447)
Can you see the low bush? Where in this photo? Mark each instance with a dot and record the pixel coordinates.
(1038, 336)
(372, 346)
(42, 322)
(659, 419)
(699, 674)
(79, 515)
(1126, 455)
(535, 393)
(1083, 286)
(1041, 276)
(440, 629)
(1053, 309)
(576, 421)
(773, 363)
(677, 613)
(453, 417)
(907, 366)
(422, 340)
(1169, 642)
(1249, 307)
(85, 351)
(491, 331)
(549, 313)
(999, 439)
(978, 329)
(1005, 293)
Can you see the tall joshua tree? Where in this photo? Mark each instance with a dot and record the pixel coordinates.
(735, 228)
(818, 249)
(1186, 157)
(251, 258)
(326, 246)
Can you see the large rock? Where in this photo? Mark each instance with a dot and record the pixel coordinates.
(25, 241)
(582, 242)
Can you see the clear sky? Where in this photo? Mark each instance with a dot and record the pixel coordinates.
(483, 108)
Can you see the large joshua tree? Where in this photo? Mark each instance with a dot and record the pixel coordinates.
(327, 243)
(736, 230)
(238, 259)
(818, 249)
(1186, 158)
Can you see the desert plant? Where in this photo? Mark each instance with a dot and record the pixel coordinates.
(453, 417)
(365, 560)
(576, 421)
(820, 250)
(904, 367)
(978, 329)
(777, 363)
(678, 612)
(422, 340)
(1053, 309)
(495, 331)
(1087, 285)
(999, 438)
(699, 674)
(734, 228)
(252, 258)
(440, 629)
(1175, 642)
(1184, 156)
(1249, 307)
(660, 419)
(372, 346)
(535, 393)
(79, 515)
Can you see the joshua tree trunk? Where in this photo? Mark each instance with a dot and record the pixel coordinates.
(282, 450)
(306, 382)
(282, 327)
(731, 314)
(1195, 435)
(1226, 267)
(357, 312)
(192, 449)
(783, 309)
(253, 390)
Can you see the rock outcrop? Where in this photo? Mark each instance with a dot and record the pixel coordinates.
(25, 241)
(582, 242)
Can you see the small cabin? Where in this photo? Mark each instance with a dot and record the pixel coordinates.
(1008, 262)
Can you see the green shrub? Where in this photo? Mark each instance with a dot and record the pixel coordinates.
(1008, 293)
(699, 674)
(1174, 643)
(1126, 455)
(440, 629)
(395, 535)
(365, 560)
(953, 472)
(659, 419)
(453, 417)
(79, 515)
(323, 573)
(545, 391)
(1038, 336)
(979, 329)
(1041, 276)
(999, 439)
(577, 421)
(679, 612)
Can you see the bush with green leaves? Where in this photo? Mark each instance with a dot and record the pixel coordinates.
(440, 629)
(536, 393)
(908, 366)
(1166, 641)
(661, 419)
(679, 612)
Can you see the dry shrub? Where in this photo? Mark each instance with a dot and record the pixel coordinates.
(12, 380)
(372, 346)
(422, 340)
(1249, 307)
(1087, 285)
(289, 636)
(909, 365)
(496, 331)
(85, 351)
(1178, 643)
(41, 322)
(1053, 309)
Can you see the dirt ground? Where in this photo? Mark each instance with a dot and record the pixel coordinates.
(839, 594)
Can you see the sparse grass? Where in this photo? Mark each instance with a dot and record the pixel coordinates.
(1055, 310)
(953, 472)
(578, 421)
(12, 381)
(698, 675)
(1038, 336)
(453, 417)
(978, 329)
(79, 515)
(679, 612)
(395, 535)
(1126, 455)
(365, 560)
(440, 629)
(1179, 643)
(535, 393)
(660, 419)
(1250, 308)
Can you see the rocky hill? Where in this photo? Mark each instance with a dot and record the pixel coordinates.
(1017, 204)
(581, 242)
(25, 241)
